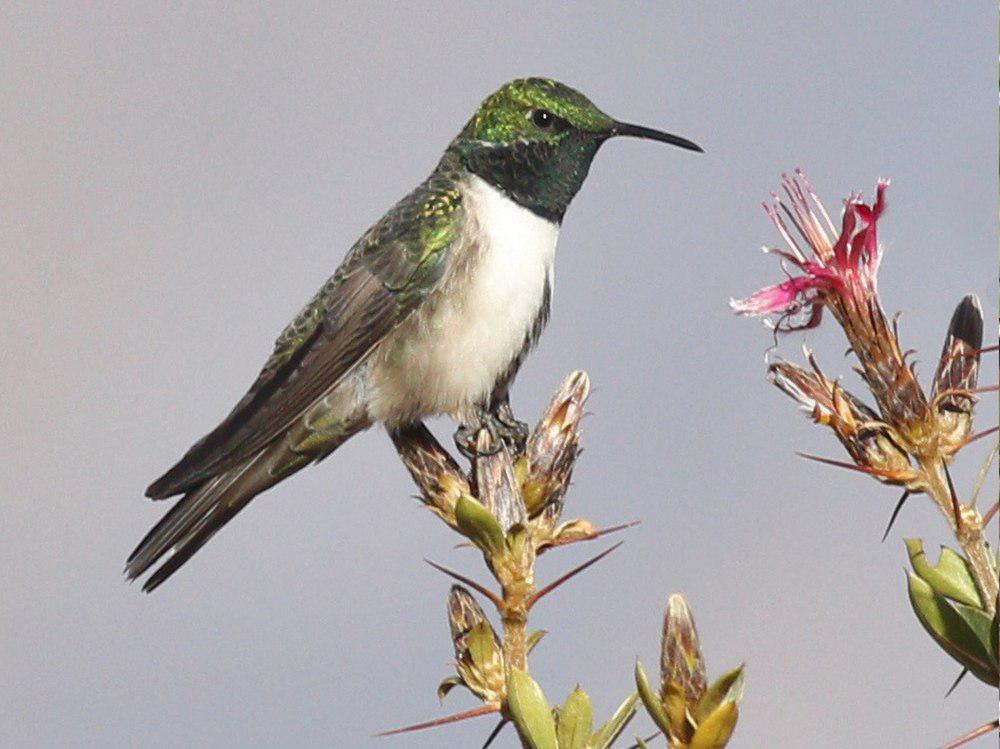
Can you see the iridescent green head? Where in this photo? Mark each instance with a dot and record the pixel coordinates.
(536, 109)
(535, 138)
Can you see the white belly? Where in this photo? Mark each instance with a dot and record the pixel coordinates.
(448, 356)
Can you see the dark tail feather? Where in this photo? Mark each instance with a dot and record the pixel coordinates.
(195, 519)
(210, 504)
(198, 537)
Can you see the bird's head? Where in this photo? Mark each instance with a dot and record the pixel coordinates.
(535, 138)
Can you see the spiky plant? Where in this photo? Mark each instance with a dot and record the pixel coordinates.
(911, 436)
(509, 507)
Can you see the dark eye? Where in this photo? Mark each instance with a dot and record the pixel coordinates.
(543, 119)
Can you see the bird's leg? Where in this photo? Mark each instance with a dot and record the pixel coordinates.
(514, 433)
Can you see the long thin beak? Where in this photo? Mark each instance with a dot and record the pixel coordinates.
(638, 131)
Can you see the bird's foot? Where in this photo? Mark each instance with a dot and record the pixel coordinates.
(502, 428)
(467, 440)
(513, 432)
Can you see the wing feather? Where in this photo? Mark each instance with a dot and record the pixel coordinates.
(380, 283)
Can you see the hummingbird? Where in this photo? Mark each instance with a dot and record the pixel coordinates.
(432, 311)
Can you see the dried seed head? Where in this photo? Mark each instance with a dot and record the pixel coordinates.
(437, 475)
(497, 486)
(463, 614)
(958, 372)
(871, 443)
(681, 661)
(554, 445)
(478, 653)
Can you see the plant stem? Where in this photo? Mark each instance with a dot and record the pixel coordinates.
(499, 490)
(968, 533)
(515, 623)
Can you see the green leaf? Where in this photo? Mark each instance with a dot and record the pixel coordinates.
(518, 542)
(641, 743)
(606, 734)
(950, 630)
(651, 700)
(478, 525)
(951, 577)
(675, 706)
(483, 647)
(981, 623)
(576, 721)
(728, 688)
(715, 730)
(530, 711)
(534, 638)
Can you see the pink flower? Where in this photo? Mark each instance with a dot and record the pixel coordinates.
(841, 273)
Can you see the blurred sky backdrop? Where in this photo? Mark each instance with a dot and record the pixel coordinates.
(177, 179)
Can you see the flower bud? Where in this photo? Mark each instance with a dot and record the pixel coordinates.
(478, 653)
(553, 446)
(689, 711)
(958, 372)
(437, 475)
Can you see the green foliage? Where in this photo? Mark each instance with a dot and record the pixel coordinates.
(651, 701)
(715, 730)
(575, 721)
(951, 577)
(946, 602)
(530, 711)
(728, 688)
(604, 736)
(477, 524)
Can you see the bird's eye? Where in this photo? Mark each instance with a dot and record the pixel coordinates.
(543, 119)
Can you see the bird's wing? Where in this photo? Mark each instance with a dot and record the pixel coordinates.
(383, 279)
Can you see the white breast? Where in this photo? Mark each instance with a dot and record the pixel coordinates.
(450, 356)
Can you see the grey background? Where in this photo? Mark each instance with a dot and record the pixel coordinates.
(176, 180)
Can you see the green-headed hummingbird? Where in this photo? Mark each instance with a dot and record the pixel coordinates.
(432, 312)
